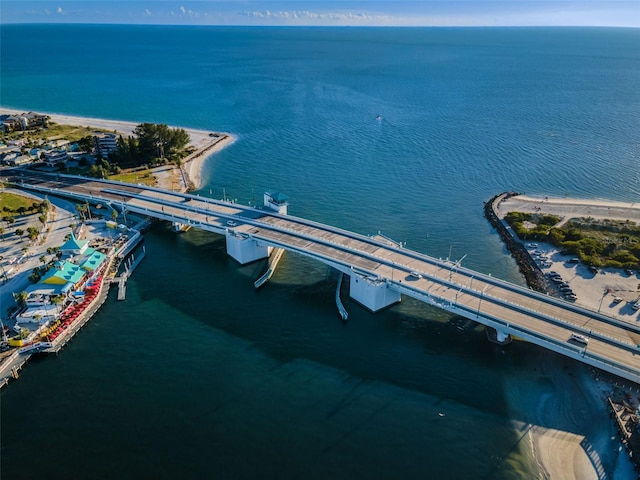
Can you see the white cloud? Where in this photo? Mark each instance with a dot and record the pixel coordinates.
(183, 10)
(328, 18)
(59, 10)
(147, 12)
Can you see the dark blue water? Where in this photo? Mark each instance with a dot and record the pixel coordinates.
(198, 375)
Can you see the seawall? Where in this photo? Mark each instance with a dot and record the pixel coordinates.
(532, 273)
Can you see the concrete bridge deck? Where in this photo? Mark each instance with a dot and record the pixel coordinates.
(381, 265)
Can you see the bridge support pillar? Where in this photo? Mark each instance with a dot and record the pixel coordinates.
(498, 336)
(244, 249)
(372, 293)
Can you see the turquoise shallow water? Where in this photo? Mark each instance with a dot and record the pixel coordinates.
(196, 373)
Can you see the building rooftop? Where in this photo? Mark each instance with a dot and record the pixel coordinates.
(63, 273)
(74, 246)
(278, 197)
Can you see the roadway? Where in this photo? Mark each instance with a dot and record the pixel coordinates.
(541, 319)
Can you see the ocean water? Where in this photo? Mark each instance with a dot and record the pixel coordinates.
(196, 374)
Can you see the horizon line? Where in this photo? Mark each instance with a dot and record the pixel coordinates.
(318, 26)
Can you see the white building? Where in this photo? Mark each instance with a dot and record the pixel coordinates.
(105, 143)
(54, 157)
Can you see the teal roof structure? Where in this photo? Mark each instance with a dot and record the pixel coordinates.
(74, 244)
(63, 272)
(94, 259)
(278, 197)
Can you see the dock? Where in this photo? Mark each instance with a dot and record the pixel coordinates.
(128, 270)
(627, 422)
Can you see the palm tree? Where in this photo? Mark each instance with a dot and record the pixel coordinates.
(81, 210)
(57, 300)
(21, 298)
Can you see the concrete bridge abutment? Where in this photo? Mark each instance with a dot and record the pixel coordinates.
(372, 292)
(244, 249)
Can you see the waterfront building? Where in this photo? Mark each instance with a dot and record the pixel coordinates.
(54, 157)
(105, 143)
(39, 314)
(91, 259)
(73, 247)
(24, 121)
(66, 274)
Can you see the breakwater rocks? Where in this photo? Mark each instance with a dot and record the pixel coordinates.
(532, 273)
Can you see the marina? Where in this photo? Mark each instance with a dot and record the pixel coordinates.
(53, 335)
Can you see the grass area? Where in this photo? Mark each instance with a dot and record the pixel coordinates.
(54, 131)
(140, 176)
(13, 202)
(602, 243)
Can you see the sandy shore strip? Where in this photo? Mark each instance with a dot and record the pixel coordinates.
(205, 142)
(571, 207)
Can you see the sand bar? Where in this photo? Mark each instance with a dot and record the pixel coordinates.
(205, 144)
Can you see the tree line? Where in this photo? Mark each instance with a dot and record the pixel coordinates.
(598, 243)
(151, 144)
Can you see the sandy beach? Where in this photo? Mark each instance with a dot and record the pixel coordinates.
(205, 144)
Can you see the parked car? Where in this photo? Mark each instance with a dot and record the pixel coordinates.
(579, 338)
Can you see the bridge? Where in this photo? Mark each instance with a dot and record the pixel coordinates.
(380, 271)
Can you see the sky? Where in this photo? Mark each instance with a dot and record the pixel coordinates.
(618, 13)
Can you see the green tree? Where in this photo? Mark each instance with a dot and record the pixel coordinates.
(21, 298)
(57, 300)
(157, 141)
(32, 233)
(19, 232)
(82, 209)
(86, 144)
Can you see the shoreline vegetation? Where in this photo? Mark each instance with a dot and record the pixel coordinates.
(183, 175)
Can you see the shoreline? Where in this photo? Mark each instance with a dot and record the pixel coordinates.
(554, 444)
(190, 174)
